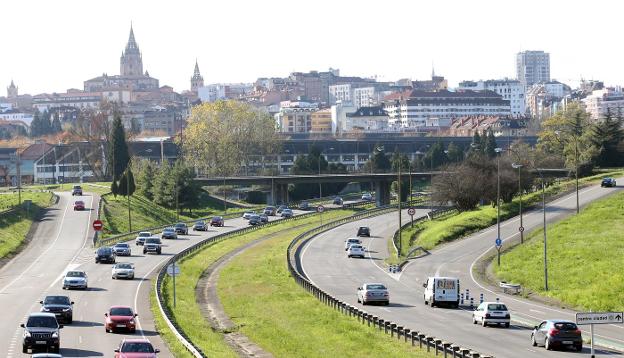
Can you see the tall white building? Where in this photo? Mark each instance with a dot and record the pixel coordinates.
(358, 96)
(600, 101)
(511, 90)
(533, 67)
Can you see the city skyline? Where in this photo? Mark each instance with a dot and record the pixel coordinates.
(240, 47)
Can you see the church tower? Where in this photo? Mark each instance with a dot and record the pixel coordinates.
(131, 62)
(12, 91)
(197, 80)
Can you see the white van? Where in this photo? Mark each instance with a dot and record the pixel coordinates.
(442, 290)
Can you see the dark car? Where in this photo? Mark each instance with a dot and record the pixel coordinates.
(152, 245)
(169, 233)
(304, 205)
(60, 306)
(105, 254)
(255, 220)
(264, 218)
(79, 205)
(200, 226)
(338, 200)
(363, 231)
(181, 228)
(41, 331)
(76, 190)
(608, 183)
(217, 221)
(287, 213)
(556, 334)
(281, 208)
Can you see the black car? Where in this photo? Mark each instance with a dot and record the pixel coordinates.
(281, 208)
(338, 200)
(556, 334)
(181, 228)
(608, 183)
(60, 306)
(105, 254)
(76, 190)
(41, 331)
(363, 231)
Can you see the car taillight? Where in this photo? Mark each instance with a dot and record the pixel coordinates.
(577, 332)
(553, 332)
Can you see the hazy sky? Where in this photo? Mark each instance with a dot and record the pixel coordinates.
(50, 46)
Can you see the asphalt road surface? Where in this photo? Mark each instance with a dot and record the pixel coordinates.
(325, 263)
(62, 242)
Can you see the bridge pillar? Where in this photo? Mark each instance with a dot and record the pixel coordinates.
(382, 192)
(281, 194)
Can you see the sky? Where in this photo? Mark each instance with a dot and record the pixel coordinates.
(51, 46)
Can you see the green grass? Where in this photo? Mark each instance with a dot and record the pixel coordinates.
(585, 255)
(11, 199)
(187, 312)
(178, 350)
(15, 225)
(262, 298)
(429, 234)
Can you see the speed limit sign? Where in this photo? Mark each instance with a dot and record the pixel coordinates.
(411, 211)
(320, 208)
(521, 228)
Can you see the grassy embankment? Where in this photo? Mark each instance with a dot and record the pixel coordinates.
(15, 225)
(429, 234)
(316, 325)
(584, 259)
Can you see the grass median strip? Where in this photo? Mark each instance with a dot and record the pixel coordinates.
(261, 297)
(584, 258)
(187, 313)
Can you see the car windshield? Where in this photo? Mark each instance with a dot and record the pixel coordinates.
(137, 347)
(75, 274)
(565, 326)
(217, 218)
(56, 300)
(145, 234)
(169, 229)
(123, 266)
(152, 241)
(375, 287)
(356, 241)
(42, 321)
(121, 311)
(180, 225)
(77, 187)
(199, 223)
(104, 251)
(497, 307)
(122, 245)
(79, 202)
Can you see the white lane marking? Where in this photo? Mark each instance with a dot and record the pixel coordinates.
(51, 245)
(79, 339)
(536, 311)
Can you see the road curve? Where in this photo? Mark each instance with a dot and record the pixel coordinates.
(325, 263)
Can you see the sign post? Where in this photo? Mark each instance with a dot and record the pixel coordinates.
(592, 318)
(173, 271)
(498, 243)
(320, 210)
(411, 212)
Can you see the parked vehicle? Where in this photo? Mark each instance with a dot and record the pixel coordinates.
(105, 254)
(75, 279)
(152, 245)
(122, 249)
(356, 250)
(491, 313)
(130, 348)
(60, 306)
(181, 228)
(217, 221)
(120, 318)
(363, 231)
(79, 205)
(608, 183)
(441, 290)
(140, 239)
(373, 292)
(200, 225)
(123, 270)
(352, 241)
(41, 331)
(169, 233)
(248, 214)
(557, 333)
(287, 213)
(270, 211)
(76, 190)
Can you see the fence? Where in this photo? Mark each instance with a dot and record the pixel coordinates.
(431, 343)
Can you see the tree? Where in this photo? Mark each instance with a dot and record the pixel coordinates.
(35, 125)
(379, 161)
(164, 187)
(222, 136)
(114, 188)
(185, 187)
(118, 151)
(435, 156)
(490, 144)
(606, 135)
(145, 178)
(56, 124)
(477, 144)
(310, 164)
(455, 154)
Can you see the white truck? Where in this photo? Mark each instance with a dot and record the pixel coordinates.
(442, 291)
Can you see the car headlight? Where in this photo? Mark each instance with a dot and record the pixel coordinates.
(65, 309)
(55, 335)
(44, 309)
(26, 334)
(132, 321)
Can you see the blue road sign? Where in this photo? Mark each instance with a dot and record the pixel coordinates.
(499, 242)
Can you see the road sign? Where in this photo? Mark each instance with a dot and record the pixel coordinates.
(411, 211)
(599, 317)
(98, 225)
(172, 272)
(320, 208)
(521, 228)
(498, 241)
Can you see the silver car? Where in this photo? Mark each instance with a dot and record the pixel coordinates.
(122, 249)
(123, 270)
(75, 279)
(140, 239)
(373, 292)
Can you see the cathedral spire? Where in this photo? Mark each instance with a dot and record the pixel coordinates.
(197, 80)
(196, 71)
(132, 45)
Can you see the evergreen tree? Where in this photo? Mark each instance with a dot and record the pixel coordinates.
(379, 162)
(114, 188)
(118, 149)
(46, 124)
(145, 179)
(455, 154)
(185, 187)
(164, 187)
(35, 125)
(127, 178)
(435, 157)
(490, 144)
(476, 147)
(56, 124)
(605, 136)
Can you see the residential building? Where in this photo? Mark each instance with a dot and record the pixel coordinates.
(501, 126)
(437, 83)
(221, 91)
(82, 100)
(411, 109)
(366, 119)
(600, 101)
(339, 113)
(546, 98)
(511, 90)
(295, 116)
(321, 121)
(533, 67)
(17, 116)
(359, 96)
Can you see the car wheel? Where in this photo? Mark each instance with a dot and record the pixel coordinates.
(547, 344)
(474, 321)
(113, 277)
(132, 277)
(507, 325)
(432, 303)
(363, 302)
(483, 322)
(71, 319)
(533, 342)
(133, 330)
(579, 347)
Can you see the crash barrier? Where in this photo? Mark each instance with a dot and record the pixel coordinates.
(164, 310)
(402, 333)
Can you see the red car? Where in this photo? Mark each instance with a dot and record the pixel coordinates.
(79, 205)
(217, 221)
(120, 318)
(135, 348)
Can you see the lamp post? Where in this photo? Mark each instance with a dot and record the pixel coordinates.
(521, 228)
(544, 229)
(498, 151)
(399, 197)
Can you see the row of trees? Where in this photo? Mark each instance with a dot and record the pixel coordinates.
(45, 124)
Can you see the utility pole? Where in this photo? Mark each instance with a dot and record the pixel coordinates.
(399, 197)
(128, 196)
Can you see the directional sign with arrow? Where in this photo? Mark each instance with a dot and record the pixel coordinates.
(599, 317)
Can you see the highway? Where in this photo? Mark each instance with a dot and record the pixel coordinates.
(325, 263)
(63, 242)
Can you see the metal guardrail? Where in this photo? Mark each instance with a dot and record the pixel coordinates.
(401, 332)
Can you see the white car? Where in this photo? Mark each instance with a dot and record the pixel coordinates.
(356, 250)
(373, 292)
(123, 270)
(75, 279)
(352, 241)
(140, 239)
(367, 197)
(491, 313)
(248, 214)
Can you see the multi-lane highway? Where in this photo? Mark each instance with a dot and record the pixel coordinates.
(63, 242)
(325, 263)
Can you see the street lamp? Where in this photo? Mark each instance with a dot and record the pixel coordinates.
(521, 228)
(544, 229)
(558, 134)
(498, 151)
